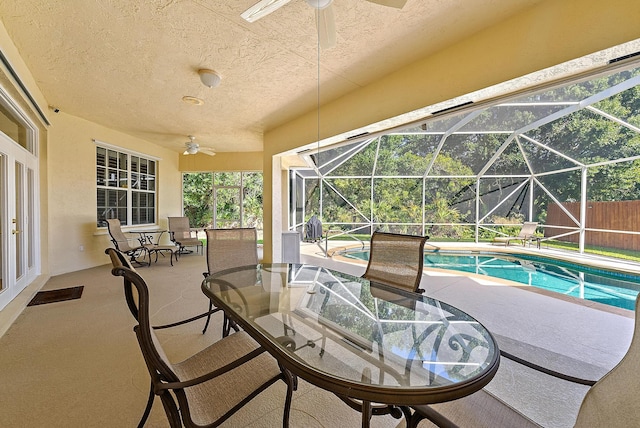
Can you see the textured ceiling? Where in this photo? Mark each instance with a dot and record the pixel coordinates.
(127, 64)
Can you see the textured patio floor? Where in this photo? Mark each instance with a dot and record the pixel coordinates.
(77, 364)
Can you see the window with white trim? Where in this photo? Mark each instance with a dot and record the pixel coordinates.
(126, 187)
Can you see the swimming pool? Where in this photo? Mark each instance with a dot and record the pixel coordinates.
(612, 288)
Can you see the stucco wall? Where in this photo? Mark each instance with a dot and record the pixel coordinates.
(72, 190)
(225, 161)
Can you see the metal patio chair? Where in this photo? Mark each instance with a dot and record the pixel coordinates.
(122, 244)
(229, 248)
(181, 234)
(208, 387)
(146, 247)
(396, 260)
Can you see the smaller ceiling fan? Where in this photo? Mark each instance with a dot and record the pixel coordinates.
(191, 148)
(324, 15)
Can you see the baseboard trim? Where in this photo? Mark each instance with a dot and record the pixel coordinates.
(10, 313)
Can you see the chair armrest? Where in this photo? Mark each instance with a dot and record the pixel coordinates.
(512, 348)
(547, 371)
(211, 375)
(188, 320)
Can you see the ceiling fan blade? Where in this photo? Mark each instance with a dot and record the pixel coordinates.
(262, 8)
(326, 27)
(398, 4)
(209, 152)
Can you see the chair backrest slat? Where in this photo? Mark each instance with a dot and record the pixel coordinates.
(137, 297)
(528, 229)
(117, 235)
(396, 260)
(180, 227)
(118, 259)
(229, 248)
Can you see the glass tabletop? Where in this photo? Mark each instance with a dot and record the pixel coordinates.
(353, 337)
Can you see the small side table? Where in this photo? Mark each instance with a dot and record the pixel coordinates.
(146, 240)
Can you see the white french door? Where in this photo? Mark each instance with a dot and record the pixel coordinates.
(18, 220)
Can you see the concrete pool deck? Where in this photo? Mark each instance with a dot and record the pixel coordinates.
(590, 260)
(569, 335)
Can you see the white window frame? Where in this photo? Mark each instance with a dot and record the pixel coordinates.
(128, 188)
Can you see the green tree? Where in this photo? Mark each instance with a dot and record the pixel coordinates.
(197, 198)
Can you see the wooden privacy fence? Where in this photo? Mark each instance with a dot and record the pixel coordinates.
(616, 215)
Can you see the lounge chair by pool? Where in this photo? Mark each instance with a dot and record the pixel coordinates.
(527, 233)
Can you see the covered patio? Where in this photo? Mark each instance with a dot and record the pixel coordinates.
(77, 363)
(124, 76)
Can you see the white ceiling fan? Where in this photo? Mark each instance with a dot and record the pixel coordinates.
(324, 15)
(191, 148)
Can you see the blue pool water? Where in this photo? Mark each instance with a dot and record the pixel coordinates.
(609, 287)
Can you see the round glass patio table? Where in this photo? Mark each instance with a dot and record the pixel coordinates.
(365, 342)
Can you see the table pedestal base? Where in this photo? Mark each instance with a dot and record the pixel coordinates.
(369, 409)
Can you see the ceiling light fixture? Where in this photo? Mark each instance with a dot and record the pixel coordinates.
(191, 150)
(209, 77)
(192, 100)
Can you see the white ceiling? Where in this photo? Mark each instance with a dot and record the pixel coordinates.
(127, 64)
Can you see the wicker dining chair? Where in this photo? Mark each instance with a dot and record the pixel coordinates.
(210, 386)
(181, 234)
(229, 248)
(396, 260)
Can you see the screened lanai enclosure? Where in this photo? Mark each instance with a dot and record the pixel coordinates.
(567, 157)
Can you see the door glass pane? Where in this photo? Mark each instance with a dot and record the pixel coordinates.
(13, 129)
(18, 225)
(31, 255)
